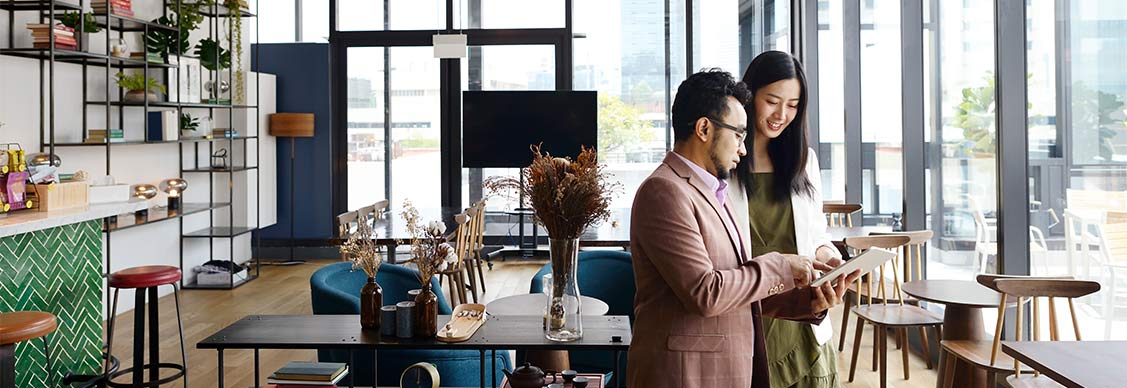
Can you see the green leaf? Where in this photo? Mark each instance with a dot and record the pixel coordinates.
(212, 56)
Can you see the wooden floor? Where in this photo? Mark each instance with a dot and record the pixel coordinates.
(285, 290)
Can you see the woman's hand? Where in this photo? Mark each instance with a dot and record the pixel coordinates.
(828, 255)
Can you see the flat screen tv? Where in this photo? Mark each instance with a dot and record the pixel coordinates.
(499, 126)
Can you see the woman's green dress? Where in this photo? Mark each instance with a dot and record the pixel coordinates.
(796, 359)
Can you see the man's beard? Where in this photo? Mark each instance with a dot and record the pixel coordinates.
(721, 172)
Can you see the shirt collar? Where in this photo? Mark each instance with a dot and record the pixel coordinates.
(718, 186)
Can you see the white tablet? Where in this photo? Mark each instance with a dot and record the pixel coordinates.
(864, 262)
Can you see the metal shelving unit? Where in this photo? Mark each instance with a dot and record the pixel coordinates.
(49, 12)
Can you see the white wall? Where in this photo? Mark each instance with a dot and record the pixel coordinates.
(157, 243)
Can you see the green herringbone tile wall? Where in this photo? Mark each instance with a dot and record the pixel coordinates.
(57, 270)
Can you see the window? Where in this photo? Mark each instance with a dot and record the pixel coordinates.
(277, 21)
(882, 160)
(1078, 151)
(831, 117)
(962, 195)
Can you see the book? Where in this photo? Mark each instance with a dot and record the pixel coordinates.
(310, 371)
(43, 32)
(57, 46)
(163, 126)
(41, 26)
(287, 383)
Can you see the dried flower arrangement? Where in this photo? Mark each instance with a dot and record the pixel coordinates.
(567, 196)
(429, 249)
(361, 248)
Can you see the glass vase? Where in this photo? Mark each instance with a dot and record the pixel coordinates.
(564, 323)
(371, 300)
(426, 313)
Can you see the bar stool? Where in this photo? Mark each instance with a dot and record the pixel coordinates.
(145, 280)
(18, 327)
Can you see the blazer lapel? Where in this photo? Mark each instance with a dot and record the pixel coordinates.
(684, 171)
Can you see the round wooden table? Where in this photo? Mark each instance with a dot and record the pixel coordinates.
(962, 316)
(533, 304)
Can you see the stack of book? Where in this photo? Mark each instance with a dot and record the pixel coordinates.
(116, 135)
(308, 374)
(41, 36)
(147, 56)
(116, 7)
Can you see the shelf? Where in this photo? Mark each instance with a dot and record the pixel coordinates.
(80, 57)
(237, 283)
(236, 169)
(37, 5)
(128, 23)
(157, 214)
(219, 231)
(170, 104)
(142, 142)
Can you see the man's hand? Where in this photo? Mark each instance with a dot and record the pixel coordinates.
(829, 255)
(830, 294)
(804, 269)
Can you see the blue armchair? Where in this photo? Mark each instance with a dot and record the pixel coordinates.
(607, 276)
(336, 290)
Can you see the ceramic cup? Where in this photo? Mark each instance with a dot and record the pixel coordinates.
(569, 375)
(387, 320)
(579, 382)
(556, 385)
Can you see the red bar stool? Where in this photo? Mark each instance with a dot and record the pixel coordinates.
(145, 280)
(23, 326)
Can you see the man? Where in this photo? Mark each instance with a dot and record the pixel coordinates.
(699, 295)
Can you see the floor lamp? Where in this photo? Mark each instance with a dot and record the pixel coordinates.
(293, 126)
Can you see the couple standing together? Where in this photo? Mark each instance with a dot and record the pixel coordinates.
(727, 235)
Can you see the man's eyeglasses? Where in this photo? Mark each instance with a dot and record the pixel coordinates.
(741, 134)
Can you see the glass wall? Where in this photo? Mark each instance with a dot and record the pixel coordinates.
(962, 197)
(882, 160)
(1078, 151)
(366, 152)
(831, 100)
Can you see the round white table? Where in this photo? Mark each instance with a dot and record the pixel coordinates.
(533, 304)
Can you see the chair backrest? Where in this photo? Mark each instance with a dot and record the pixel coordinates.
(477, 229)
(1115, 217)
(346, 221)
(890, 242)
(1095, 199)
(1113, 242)
(1032, 288)
(461, 237)
(840, 214)
(913, 252)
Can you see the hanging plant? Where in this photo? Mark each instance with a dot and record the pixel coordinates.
(234, 9)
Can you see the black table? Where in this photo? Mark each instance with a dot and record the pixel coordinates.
(344, 332)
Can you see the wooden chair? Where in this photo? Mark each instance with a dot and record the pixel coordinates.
(841, 214)
(454, 273)
(1042, 288)
(473, 258)
(862, 288)
(1113, 259)
(987, 355)
(883, 315)
(346, 223)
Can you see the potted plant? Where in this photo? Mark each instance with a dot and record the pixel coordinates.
(140, 87)
(215, 58)
(89, 25)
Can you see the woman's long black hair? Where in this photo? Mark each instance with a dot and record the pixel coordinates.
(788, 151)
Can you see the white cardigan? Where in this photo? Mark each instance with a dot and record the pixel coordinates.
(809, 222)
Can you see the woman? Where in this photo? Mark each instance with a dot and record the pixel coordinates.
(779, 182)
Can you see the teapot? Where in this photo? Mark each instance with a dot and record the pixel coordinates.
(527, 376)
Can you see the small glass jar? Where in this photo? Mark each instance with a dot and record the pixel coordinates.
(119, 48)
